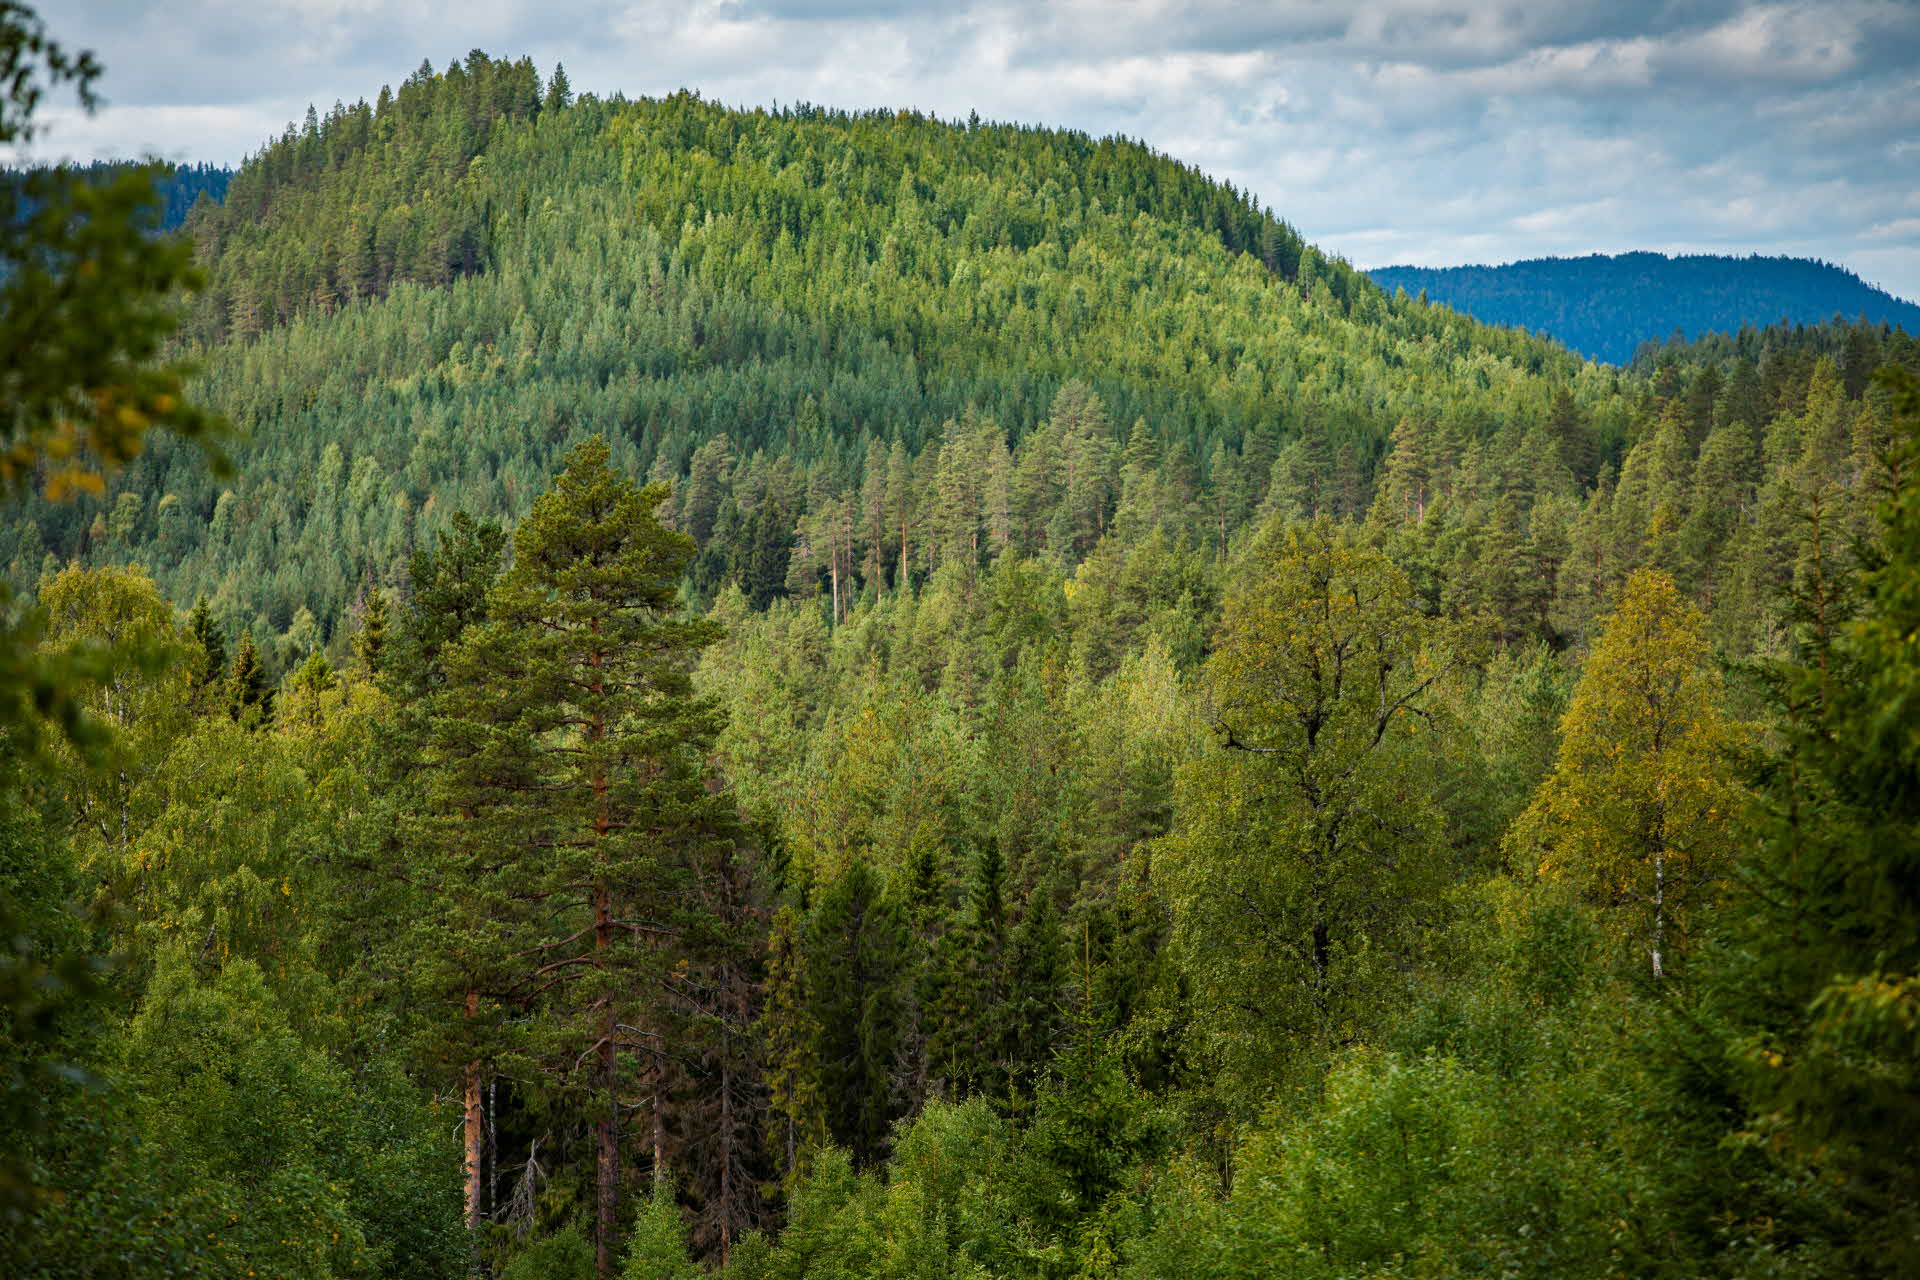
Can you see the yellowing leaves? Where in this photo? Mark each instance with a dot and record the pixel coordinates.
(1634, 808)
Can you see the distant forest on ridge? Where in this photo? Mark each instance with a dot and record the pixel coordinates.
(1607, 307)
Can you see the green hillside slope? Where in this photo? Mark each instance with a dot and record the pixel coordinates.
(417, 306)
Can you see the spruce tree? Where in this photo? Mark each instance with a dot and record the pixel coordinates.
(1406, 479)
(209, 664)
(249, 696)
(370, 646)
(559, 90)
(454, 759)
(791, 1038)
(449, 587)
(1030, 1016)
(311, 681)
(964, 986)
(1569, 431)
(855, 961)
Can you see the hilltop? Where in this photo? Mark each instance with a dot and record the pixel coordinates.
(1608, 307)
(418, 304)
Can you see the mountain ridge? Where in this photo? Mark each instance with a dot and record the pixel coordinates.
(1607, 306)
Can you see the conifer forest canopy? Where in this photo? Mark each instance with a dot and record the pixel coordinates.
(606, 687)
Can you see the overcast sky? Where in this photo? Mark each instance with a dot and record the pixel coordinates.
(1432, 132)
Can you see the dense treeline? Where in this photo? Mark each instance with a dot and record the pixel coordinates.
(1609, 307)
(686, 757)
(1038, 921)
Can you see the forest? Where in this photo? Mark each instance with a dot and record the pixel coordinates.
(600, 687)
(1610, 307)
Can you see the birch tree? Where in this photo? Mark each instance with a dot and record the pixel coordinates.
(1638, 810)
(1308, 844)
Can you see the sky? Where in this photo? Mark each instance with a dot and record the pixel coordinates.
(1425, 132)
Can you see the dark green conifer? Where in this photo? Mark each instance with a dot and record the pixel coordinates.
(578, 688)
(371, 644)
(855, 963)
(311, 681)
(209, 663)
(559, 90)
(963, 986)
(791, 1037)
(1828, 976)
(449, 589)
(1029, 1019)
(249, 696)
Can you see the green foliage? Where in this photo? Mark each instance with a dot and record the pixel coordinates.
(208, 666)
(1064, 558)
(885, 411)
(207, 1061)
(1640, 806)
(855, 970)
(1091, 1132)
(1306, 841)
(657, 1243)
(249, 697)
(565, 1255)
(566, 811)
(1822, 986)
(370, 646)
(792, 1038)
(87, 297)
(1502, 1129)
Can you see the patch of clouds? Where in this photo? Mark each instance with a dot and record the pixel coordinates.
(1432, 132)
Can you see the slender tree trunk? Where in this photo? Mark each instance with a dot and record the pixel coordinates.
(659, 1117)
(475, 1122)
(1659, 910)
(607, 1170)
(607, 1136)
(726, 1158)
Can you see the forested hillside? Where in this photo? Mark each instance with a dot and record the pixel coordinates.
(817, 696)
(789, 311)
(1608, 307)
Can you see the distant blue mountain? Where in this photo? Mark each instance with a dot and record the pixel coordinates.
(174, 193)
(1606, 307)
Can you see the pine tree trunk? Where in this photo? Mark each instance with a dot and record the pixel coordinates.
(728, 1224)
(607, 1131)
(607, 1162)
(659, 1118)
(475, 1128)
